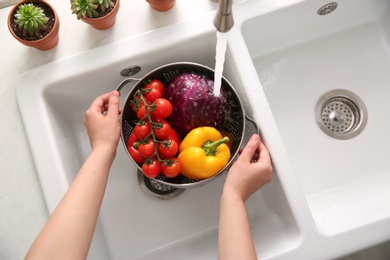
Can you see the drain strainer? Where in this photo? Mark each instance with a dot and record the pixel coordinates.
(130, 71)
(327, 9)
(341, 114)
(156, 189)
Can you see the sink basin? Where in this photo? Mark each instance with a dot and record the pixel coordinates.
(133, 224)
(300, 56)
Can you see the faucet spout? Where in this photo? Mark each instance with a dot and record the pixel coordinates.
(223, 20)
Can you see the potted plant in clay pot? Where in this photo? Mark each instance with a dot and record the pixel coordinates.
(161, 5)
(100, 14)
(34, 23)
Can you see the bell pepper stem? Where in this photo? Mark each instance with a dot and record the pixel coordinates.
(210, 147)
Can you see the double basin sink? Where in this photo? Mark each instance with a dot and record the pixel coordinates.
(329, 195)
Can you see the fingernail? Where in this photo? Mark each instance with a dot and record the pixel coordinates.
(254, 138)
(114, 94)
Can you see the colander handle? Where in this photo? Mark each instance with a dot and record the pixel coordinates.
(253, 123)
(124, 83)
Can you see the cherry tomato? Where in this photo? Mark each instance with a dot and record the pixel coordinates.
(133, 151)
(163, 108)
(162, 129)
(171, 169)
(152, 169)
(141, 112)
(168, 148)
(142, 130)
(152, 94)
(157, 84)
(146, 150)
(174, 136)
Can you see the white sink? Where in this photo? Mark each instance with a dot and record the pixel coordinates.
(299, 56)
(328, 197)
(132, 225)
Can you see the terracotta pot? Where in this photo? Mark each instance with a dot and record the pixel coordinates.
(161, 5)
(46, 43)
(104, 22)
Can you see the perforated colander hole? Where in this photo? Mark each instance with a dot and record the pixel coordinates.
(169, 75)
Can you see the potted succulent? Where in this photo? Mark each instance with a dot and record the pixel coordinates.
(34, 23)
(100, 14)
(161, 5)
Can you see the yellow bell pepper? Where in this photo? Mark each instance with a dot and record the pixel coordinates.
(203, 153)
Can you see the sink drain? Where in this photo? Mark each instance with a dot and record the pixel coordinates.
(130, 71)
(341, 114)
(157, 189)
(327, 9)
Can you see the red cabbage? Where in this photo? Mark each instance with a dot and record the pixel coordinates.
(194, 103)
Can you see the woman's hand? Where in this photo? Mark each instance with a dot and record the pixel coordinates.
(69, 230)
(251, 171)
(102, 122)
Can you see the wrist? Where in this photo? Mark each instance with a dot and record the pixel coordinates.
(106, 153)
(231, 195)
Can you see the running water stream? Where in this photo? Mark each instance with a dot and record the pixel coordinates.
(219, 61)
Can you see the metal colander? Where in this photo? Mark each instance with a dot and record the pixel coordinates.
(234, 123)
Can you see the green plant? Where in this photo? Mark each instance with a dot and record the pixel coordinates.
(87, 8)
(31, 19)
(104, 4)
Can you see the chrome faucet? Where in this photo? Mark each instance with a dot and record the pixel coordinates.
(223, 20)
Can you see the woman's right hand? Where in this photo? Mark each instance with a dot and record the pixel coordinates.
(251, 171)
(102, 122)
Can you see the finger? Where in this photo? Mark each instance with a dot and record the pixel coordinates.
(98, 104)
(264, 156)
(113, 104)
(250, 148)
(105, 109)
